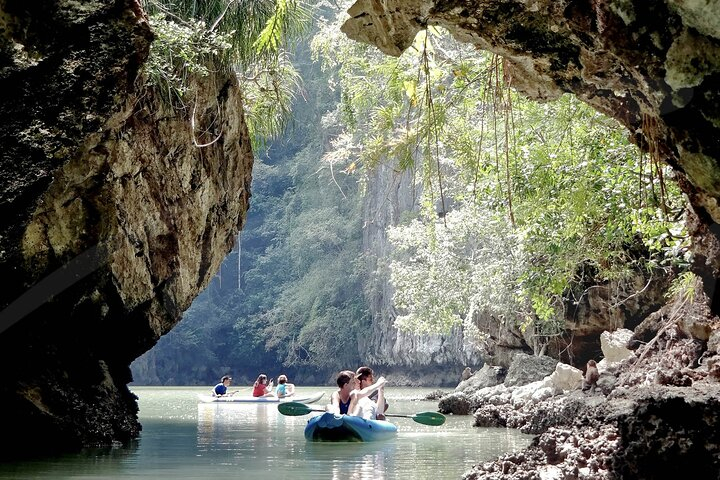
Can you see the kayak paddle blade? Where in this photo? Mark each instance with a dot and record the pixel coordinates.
(294, 409)
(429, 418)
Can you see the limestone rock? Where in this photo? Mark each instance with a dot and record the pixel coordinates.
(390, 193)
(456, 403)
(529, 368)
(566, 377)
(112, 221)
(615, 345)
(487, 376)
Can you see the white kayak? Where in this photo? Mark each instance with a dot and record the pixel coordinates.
(307, 398)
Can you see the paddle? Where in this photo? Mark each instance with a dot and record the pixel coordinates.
(294, 409)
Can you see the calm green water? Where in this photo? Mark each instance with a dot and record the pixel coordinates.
(183, 440)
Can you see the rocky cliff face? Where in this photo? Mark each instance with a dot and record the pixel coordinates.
(654, 66)
(405, 358)
(112, 220)
(591, 310)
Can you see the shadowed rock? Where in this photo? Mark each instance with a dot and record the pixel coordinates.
(112, 221)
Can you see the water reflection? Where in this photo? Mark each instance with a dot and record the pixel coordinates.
(355, 461)
(89, 462)
(251, 431)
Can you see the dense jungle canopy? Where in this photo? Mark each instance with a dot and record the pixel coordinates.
(514, 208)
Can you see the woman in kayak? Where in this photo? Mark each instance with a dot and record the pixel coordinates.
(340, 400)
(284, 389)
(261, 387)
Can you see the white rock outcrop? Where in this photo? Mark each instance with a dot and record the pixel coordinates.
(614, 345)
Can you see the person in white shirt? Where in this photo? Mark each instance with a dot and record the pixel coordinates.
(365, 407)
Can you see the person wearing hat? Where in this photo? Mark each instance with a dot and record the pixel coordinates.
(221, 388)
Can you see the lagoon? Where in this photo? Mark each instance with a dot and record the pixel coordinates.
(183, 439)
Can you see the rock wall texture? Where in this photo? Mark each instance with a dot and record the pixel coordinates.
(112, 220)
(654, 66)
(652, 415)
(404, 358)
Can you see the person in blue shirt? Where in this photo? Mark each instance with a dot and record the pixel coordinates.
(222, 388)
(284, 389)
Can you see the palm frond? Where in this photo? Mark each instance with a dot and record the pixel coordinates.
(245, 22)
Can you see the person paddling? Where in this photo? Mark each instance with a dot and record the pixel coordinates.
(261, 387)
(221, 389)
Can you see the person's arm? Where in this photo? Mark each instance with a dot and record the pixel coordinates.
(334, 406)
(289, 389)
(380, 402)
(369, 389)
(353, 408)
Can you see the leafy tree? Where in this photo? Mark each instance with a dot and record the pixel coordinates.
(468, 263)
(247, 38)
(299, 302)
(305, 287)
(546, 188)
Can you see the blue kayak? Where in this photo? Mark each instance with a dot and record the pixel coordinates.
(329, 427)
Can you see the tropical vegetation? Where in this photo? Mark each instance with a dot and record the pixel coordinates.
(521, 204)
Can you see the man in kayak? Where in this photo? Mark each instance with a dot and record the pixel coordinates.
(367, 407)
(221, 388)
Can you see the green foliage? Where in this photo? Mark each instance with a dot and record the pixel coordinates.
(305, 283)
(288, 19)
(684, 288)
(269, 95)
(571, 190)
(468, 263)
(244, 22)
(315, 320)
(181, 49)
(582, 197)
(193, 39)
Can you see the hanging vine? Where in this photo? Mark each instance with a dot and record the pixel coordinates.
(557, 177)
